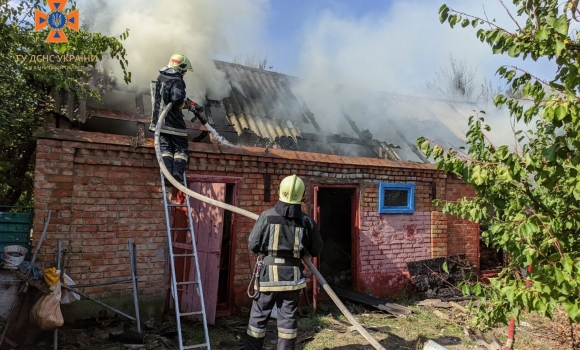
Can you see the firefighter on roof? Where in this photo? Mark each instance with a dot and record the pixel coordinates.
(170, 87)
(283, 235)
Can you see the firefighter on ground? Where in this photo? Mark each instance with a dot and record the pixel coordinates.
(170, 87)
(283, 235)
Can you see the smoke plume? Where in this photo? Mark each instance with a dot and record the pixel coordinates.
(201, 30)
(346, 60)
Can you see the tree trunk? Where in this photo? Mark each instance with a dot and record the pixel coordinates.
(19, 172)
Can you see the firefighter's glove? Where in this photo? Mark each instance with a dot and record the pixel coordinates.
(195, 108)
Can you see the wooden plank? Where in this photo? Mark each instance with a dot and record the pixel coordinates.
(111, 139)
(135, 117)
(38, 284)
(459, 307)
(395, 309)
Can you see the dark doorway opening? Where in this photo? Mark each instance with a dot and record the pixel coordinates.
(226, 251)
(490, 258)
(337, 222)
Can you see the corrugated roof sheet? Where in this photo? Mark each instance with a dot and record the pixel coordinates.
(452, 114)
(267, 128)
(263, 103)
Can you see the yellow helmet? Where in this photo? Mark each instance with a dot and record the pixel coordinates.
(180, 63)
(292, 190)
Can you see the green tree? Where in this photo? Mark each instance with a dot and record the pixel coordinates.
(528, 194)
(26, 83)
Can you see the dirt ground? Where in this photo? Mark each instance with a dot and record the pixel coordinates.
(328, 329)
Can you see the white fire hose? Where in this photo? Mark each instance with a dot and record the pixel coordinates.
(253, 216)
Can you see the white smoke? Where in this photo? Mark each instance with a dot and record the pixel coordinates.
(199, 29)
(345, 58)
(341, 59)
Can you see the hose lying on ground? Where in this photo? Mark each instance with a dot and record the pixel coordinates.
(253, 216)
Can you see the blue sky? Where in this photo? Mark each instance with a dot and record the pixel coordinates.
(286, 19)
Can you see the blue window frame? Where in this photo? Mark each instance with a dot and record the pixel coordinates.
(396, 198)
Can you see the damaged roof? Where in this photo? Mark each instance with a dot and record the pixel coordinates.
(263, 105)
(262, 110)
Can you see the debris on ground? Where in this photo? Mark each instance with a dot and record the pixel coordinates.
(438, 278)
(431, 345)
(380, 304)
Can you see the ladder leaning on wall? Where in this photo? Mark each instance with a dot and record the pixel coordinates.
(172, 258)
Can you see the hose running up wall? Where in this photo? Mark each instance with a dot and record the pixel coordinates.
(253, 216)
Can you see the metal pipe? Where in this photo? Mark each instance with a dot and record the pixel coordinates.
(58, 267)
(84, 295)
(132, 254)
(121, 280)
(253, 216)
(40, 242)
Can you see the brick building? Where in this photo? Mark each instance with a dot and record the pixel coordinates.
(375, 213)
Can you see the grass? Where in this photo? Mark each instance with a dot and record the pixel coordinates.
(328, 329)
(403, 333)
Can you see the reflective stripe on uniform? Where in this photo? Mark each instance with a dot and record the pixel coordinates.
(256, 332)
(278, 288)
(161, 102)
(170, 132)
(176, 133)
(275, 243)
(287, 330)
(181, 156)
(167, 154)
(297, 242)
(271, 239)
(286, 333)
(276, 239)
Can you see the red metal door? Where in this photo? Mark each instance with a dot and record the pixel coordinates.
(208, 228)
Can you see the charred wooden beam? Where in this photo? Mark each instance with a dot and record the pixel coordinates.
(412, 146)
(139, 103)
(133, 117)
(364, 137)
(309, 115)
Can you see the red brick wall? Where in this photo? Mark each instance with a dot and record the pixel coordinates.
(102, 194)
(389, 241)
(463, 235)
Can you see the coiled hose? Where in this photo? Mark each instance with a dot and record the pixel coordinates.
(253, 216)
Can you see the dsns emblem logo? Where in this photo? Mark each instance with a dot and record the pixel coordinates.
(56, 20)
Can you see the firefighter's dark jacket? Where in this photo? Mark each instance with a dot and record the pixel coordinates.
(284, 234)
(169, 87)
